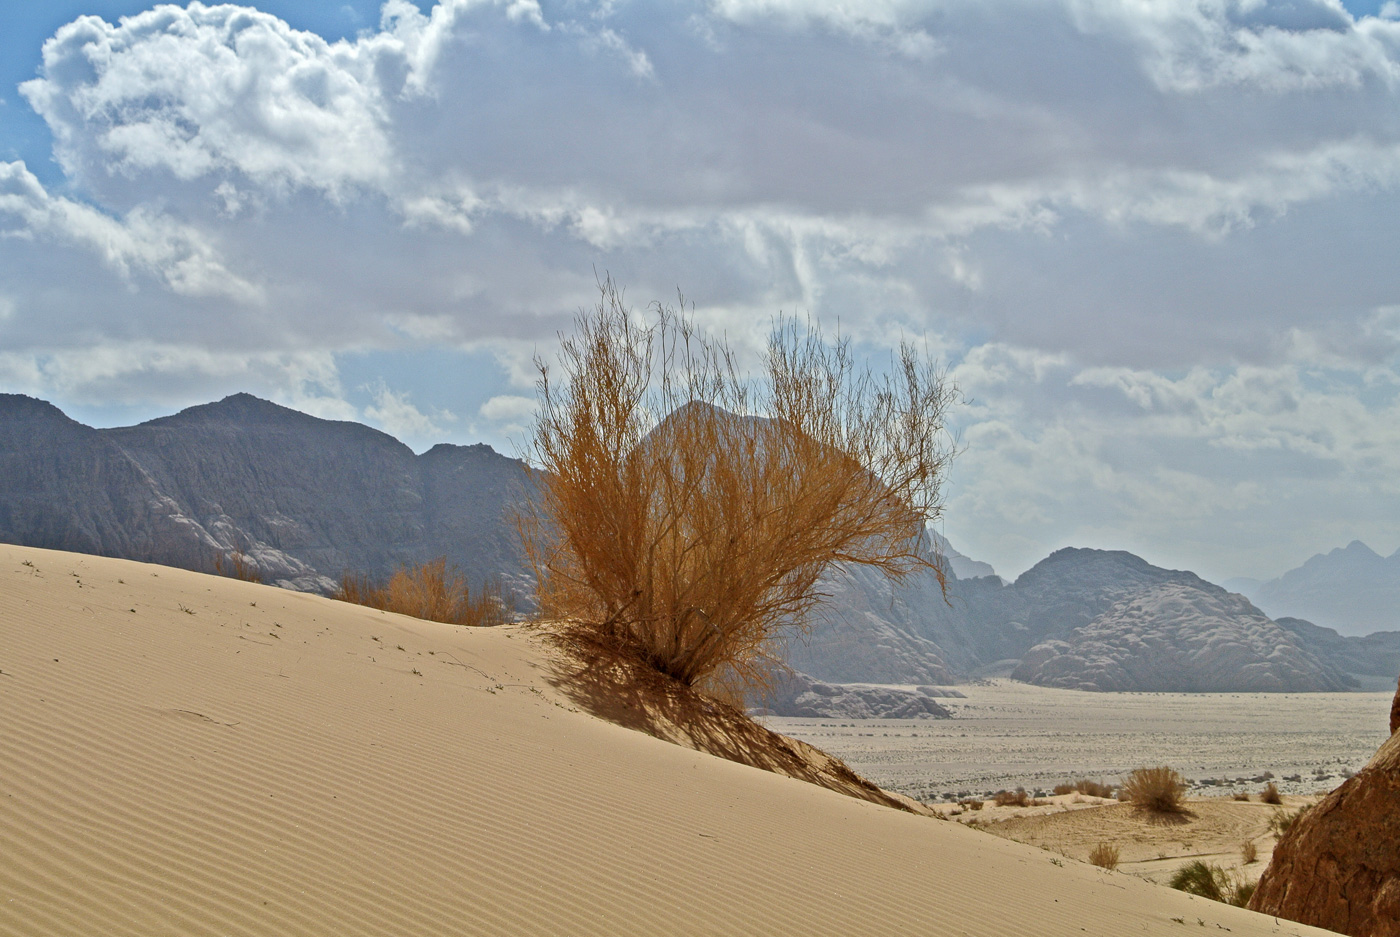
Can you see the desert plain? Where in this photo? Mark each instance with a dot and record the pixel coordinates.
(185, 754)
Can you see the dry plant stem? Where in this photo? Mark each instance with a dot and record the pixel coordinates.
(430, 591)
(686, 513)
(1104, 856)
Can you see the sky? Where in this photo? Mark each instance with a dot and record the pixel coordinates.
(1154, 242)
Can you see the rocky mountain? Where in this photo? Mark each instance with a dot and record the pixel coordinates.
(307, 499)
(304, 499)
(1351, 589)
(1180, 637)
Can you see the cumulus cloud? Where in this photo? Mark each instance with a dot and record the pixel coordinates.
(394, 413)
(176, 254)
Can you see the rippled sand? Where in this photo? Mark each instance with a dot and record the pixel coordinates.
(1006, 734)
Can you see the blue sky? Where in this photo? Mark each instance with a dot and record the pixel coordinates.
(1153, 242)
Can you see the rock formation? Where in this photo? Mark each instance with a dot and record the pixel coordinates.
(303, 499)
(1338, 866)
(1179, 637)
(1395, 712)
(801, 696)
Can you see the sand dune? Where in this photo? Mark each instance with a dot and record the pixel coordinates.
(190, 755)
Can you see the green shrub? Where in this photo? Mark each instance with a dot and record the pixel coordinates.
(1208, 880)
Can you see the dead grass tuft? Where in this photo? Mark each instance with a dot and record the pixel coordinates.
(1249, 852)
(1241, 795)
(430, 591)
(237, 566)
(1157, 789)
(1104, 856)
(1270, 794)
(685, 512)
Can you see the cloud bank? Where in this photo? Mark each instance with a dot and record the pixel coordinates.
(1152, 239)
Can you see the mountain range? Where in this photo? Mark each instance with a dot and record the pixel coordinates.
(1352, 589)
(306, 500)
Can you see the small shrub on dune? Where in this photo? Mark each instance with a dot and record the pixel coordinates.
(1063, 789)
(1242, 795)
(1249, 852)
(1157, 789)
(1016, 798)
(1270, 794)
(686, 512)
(1093, 788)
(1281, 821)
(430, 591)
(971, 804)
(1208, 880)
(1104, 856)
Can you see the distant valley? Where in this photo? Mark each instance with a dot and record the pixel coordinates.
(306, 499)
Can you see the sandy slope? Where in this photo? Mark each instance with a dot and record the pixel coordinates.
(181, 754)
(1151, 846)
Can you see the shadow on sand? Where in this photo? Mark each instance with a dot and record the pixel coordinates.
(621, 690)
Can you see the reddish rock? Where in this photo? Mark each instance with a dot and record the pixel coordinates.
(1395, 712)
(1338, 867)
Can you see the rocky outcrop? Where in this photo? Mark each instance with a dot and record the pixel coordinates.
(304, 499)
(1179, 637)
(1395, 712)
(867, 630)
(800, 696)
(1374, 658)
(1338, 866)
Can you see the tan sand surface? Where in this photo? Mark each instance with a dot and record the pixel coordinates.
(1150, 846)
(181, 754)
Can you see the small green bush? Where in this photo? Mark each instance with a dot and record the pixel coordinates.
(1208, 880)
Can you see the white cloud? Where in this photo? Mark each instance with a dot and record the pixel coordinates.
(144, 241)
(508, 407)
(396, 415)
(1155, 236)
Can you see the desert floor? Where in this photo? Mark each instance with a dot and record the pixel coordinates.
(190, 755)
(1006, 735)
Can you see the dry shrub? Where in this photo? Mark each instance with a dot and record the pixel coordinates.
(1280, 821)
(236, 566)
(1104, 856)
(430, 591)
(1241, 795)
(1093, 788)
(1016, 798)
(1270, 794)
(1249, 852)
(971, 804)
(1063, 789)
(1157, 789)
(1211, 881)
(685, 512)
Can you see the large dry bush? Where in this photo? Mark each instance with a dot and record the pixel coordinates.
(431, 591)
(686, 509)
(1157, 789)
